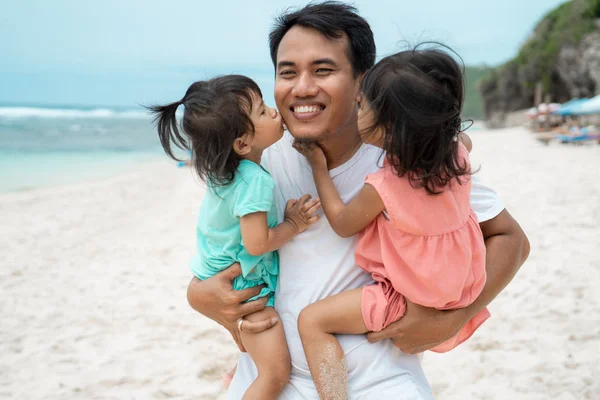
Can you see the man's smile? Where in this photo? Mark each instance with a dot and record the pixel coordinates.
(307, 111)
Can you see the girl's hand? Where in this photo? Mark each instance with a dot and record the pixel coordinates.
(313, 153)
(301, 212)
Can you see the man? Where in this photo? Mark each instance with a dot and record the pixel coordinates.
(320, 54)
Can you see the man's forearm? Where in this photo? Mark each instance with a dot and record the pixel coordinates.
(507, 248)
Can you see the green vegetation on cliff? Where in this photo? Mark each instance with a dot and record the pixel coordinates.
(567, 24)
(473, 104)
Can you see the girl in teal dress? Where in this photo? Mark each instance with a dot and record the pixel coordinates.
(227, 126)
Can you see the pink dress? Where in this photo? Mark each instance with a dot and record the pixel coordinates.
(427, 248)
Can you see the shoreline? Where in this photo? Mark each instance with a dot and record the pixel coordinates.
(93, 183)
(34, 171)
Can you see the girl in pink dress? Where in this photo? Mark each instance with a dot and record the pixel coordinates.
(418, 236)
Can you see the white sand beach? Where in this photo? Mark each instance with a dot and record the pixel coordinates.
(93, 280)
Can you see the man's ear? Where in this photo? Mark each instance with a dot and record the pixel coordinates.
(359, 81)
(242, 145)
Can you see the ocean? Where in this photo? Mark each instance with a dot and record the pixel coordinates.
(44, 146)
(48, 146)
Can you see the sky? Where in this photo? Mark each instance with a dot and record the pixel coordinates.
(128, 52)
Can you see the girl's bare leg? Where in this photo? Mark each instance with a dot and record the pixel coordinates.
(269, 352)
(317, 323)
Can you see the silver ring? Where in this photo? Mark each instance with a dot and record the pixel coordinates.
(240, 324)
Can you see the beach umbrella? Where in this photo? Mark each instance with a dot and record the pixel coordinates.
(570, 107)
(570, 102)
(589, 107)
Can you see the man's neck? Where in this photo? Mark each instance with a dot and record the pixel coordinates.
(340, 148)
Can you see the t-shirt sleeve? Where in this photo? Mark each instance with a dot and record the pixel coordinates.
(254, 194)
(484, 200)
(378, 181)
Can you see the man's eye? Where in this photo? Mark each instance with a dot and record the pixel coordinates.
(324, 71)
(286, 73)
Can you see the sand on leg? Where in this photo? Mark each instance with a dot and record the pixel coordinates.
(317, 324)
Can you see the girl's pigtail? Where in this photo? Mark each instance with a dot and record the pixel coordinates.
(165, 119)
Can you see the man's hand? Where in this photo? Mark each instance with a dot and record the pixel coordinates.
(422, 328)
(216, 299)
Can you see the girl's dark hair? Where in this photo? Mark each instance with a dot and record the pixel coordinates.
(216, 112)
(332, 19)
(416, 97)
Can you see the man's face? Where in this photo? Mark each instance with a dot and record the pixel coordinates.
(315, 89)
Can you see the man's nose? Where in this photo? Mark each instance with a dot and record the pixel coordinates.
(305, 86)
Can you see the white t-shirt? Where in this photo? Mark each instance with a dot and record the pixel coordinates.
(318, 263)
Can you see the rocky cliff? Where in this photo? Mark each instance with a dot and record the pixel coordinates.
(563, 53)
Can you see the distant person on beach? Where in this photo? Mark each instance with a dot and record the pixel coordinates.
(185, 163)
(321, 53)
(227, 127)
(419, 238)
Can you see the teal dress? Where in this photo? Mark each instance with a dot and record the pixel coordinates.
(219, 236)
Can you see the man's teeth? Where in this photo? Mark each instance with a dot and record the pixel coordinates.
(307, 109)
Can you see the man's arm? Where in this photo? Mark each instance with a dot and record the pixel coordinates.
(507, 248)
(422, 328)
(466, 140)
(215, 298)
